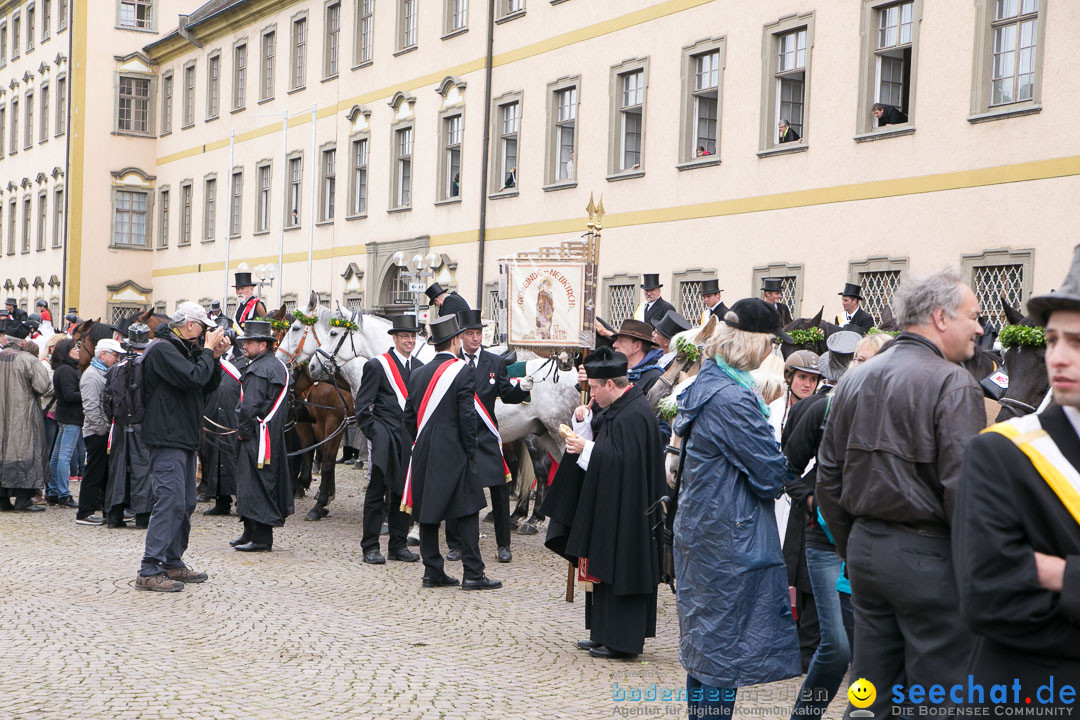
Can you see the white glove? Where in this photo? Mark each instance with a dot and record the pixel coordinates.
(526, 384)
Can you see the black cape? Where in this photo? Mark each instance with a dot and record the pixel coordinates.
(219, 452)
(128, 483)
(1005, 512)
(263, 494)
(382, 420)
(444, 481)
(492, 383)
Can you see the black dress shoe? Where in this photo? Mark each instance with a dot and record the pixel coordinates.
(444, 581)
(482, 583)
(374, 558)
(606, 653)
(404, 555)
(588, 644)
(253, 547)
(504, 555)
(19, 506)
(218, 510)
(51, 499)
(242, 540)
(453, 556)
(67, 502)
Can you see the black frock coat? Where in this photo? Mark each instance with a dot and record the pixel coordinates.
(382, 420)
(263, 494)
(489, 461)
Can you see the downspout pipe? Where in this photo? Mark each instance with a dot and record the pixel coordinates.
(485, 157)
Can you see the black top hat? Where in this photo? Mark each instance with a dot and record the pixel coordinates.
(434, 291)
(851, 290)
(443, 329)
(258, 330)
(11, 301)
(403, 323)
(41, 303)
(243, 279)
(756, 315)
(671, 324)
(138, 336)
(772, 285)
(605, 363)
(224, 321)
(1066, 297)
(215, 305)
(16, 329)
(651, 281)
(710, 286)
(470, 320)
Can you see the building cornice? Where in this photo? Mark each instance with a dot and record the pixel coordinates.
(226, 22)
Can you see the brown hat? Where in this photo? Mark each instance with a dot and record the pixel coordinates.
(636, 329)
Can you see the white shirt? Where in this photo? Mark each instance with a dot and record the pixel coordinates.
(403, 359)
(1074, 417)
(667, 357)
(583, 428)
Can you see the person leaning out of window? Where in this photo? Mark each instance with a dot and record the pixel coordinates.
(787, 133)
(888, 115)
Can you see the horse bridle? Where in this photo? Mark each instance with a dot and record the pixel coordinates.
(291, 358)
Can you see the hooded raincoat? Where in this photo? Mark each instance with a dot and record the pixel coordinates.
(735, 621)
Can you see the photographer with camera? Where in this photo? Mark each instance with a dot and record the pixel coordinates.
(178, 375)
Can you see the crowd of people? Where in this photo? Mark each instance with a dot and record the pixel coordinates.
(862, 519)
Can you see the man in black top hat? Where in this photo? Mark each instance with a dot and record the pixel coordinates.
(248, 304)
(599, 508)
(654, 307)
(710, 296)
(264, 495)
(492, 383)
(14, 311)
(448, 301)
(854, 317)
(663, 331)
(380, 415)
(215, 310)
(1016, 529)
(441, 482)
(773, 291)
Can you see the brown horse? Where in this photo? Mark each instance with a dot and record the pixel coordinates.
(329, 405)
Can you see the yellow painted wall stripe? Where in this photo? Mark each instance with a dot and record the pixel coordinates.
(605, 27)
(875, 190)
(75, 180)
(293, 257)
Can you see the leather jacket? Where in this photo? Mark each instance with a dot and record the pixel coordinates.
(894, 441)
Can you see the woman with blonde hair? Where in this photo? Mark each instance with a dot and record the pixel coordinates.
(735, 621)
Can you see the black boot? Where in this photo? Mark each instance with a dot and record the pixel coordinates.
(222, 506)
(142, 521)
(245, 537)
(262, 539)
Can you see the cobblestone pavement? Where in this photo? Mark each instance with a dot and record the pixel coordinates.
(307, 631)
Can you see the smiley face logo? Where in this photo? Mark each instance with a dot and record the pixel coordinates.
(862, 693)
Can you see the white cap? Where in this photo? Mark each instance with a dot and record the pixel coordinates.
(108, 345)
(187, 311)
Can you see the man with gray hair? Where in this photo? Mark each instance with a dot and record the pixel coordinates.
(888, 470)
(179, 373)
(95, 430)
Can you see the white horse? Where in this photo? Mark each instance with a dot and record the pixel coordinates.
(301, 341)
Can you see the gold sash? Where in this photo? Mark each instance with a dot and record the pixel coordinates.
(1029, 436)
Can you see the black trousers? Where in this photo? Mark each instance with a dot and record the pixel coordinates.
(500, 505)
(908, 628)
(380, 503)
(92, 490)
(257, 532)
(469, 539)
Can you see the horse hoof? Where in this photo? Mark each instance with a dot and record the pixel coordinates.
(527, 529)
(323, 512)
(313, 515)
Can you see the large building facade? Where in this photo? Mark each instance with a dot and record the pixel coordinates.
(264, 132)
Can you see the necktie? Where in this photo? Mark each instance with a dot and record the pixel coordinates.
(405, 374)
(472, 361)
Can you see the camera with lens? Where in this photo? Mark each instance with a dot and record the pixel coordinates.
(226, 324)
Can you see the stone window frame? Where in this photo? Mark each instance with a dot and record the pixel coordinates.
(400, 37)
(16, 33)
(44, 107)
(607, 281)
(687, 158)
(13, 222)
(187, 110)
(4, 42)
(329, 72)
(236, 204)
(504, 13)
(3, 128)
(552, 146)
(782, 270)
(273, 67)
(150, 193)
(239, 88)
(42, 219)
(496, 190)
(488, 312)
(28, 118)
(164, 216)
(615, 75)
(286, 211)
(326, 147)
(874, 264)
(27, 222)
(981, 110)
(61, 99)
(46, 20)
(59, 215)
(767, 141)
(694, 274)
(13, 107)
(1001, 256)
(395, 128)
(187, 184)
(870, 12)
(151, 104)
(445, 113)
(257, 207)
(30, 16)
(449, 8)
(209, 229)
(295, 53)
(213, 93)
(355, 213)
(153, 20)
(358, 60)
(379, 261)
(168, 80)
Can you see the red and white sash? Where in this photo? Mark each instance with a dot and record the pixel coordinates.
(108, 443)
(394, 376)
(490, 423)
(230, 370)
(249, 308)
(263, 458)
(440, 384)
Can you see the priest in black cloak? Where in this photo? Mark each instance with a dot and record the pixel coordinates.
(599, 507)
(263, 492)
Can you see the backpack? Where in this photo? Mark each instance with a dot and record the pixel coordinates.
(124, 386)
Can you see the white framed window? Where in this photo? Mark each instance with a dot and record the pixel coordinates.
(506, 8)
(13, 139)
(136, 14)
(331, 43)
(239, 93)
(43, 112)
(403, 156)
(1015, 29)
(59, 227)
(31, 16)
(407, 23)
(163, 220)
(508, 119)
(209, 209)
(12, 220)
(296, 181)
(129, 218)
(189, 95)
(61, 105)
(562, 131)
(359, 195)
(16, 26)
(298, 66)
(329, 184)
(262, 204)
(46, 19)
(27, 213)
(43, 218)
(133, 105)
(703, 70)
(28, 125)
(3, 44)
(452, 131)
(185, 209)
(236, 203)
(457, 15)
(61, 15)
(266, 67)
(787, 50)
(3, 129)
(363, 45)
(791, 78)
(213, 86)
(631, 119)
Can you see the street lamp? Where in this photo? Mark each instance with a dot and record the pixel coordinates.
(423, 269)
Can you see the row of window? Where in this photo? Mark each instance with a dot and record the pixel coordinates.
(13, 26)
(33, 226)
(23, 108)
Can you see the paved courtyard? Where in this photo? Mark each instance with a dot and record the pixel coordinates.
(307, 631)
